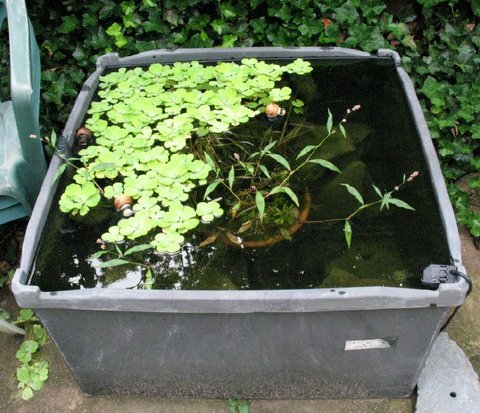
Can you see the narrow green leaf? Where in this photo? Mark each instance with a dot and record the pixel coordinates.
(98, 254)
(113, 263)
(260, 201)
(286, 234)
(399, 203)
(385, 200)
(342, 129)
(326, 164)
(354, 192)
(59, 172)
(265, 171)
(377, 190)
(137, 248)
(280, 159)
(329, 121)
(53, 138)
(102, 166)
(304, 151)
(347, 229)
(286, 190)
(269, 146)
(231, 177)
(210, 188)
(148, 279)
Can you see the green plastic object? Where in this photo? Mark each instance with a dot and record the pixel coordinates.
(22, 162)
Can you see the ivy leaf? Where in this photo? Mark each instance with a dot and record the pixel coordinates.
(347, 229)
(329, 121)
(260, 201)
(304, 151)
(326, 164)
(354, 192)
(280, 159)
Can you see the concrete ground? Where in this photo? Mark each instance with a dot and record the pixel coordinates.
(61, 393)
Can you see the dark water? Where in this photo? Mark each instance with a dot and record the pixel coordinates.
(388, 248)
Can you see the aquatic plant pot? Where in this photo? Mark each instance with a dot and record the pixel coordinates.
(326, 337)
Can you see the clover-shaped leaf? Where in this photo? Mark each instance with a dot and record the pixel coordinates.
(78, 199)
(168, 242)
(208, 211)
(113, 235)
(136, 226)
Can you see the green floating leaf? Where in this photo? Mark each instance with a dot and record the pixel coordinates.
(280, 159)
(329, 121)
(354, 192)
(260, 201)
(113, 263)
(326, 164)
(347, 229)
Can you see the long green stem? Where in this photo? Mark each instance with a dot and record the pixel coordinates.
(348, 218)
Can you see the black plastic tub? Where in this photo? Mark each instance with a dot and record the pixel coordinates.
(357, 342)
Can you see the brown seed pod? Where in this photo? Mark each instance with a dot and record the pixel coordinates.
(123, 203)
(272, 110)
(83, 136)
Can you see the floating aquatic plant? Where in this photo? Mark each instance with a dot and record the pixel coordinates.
(144, 124)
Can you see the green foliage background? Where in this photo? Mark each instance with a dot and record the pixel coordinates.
(437, 39)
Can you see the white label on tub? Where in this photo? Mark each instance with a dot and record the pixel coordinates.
(366, 344)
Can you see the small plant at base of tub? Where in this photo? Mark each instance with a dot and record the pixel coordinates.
(33, 371)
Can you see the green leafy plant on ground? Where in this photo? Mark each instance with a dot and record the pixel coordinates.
(33, 370)
(238, 406)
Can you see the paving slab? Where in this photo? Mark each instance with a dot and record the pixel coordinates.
(448, 383)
